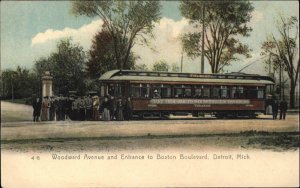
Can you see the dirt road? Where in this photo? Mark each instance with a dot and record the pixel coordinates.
(193, 134)
(71, 129)
(173, 133)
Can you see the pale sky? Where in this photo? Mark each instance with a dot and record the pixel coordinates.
(31, 29)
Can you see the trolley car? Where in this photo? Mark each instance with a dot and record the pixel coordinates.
(165, 93)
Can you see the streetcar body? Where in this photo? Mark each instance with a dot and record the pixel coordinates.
(165, 93)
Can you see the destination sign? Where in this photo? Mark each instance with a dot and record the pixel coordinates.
(200, 101)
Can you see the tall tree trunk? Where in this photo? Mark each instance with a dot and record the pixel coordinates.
(292, 94)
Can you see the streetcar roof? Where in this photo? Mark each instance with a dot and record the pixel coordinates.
(239, 78)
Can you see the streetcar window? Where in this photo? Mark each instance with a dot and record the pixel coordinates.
(178, 92)
(153, 74)
(111, 90)
(166, 91)
(260, 92)
(145, 91)
(251, 92)
(224, 92)
(237, 92)
(206, 92)
(198, 93)
(187, 91)
(135, 91)
(120, 90)
(216, 92)
(156, 91)
(174, 75)
(241, 92)
(233, 93)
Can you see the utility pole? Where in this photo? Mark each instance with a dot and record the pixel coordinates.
(283, 83)
(181, 67)
(269, 65)
(280, 81)
(202, 54)
(12, 88)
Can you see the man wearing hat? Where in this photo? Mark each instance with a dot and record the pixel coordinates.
(156, 95)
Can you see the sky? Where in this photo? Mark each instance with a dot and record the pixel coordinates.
(31, 29)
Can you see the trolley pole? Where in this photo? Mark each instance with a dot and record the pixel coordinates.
(202, 54)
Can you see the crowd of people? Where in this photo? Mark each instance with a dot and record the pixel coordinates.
(90, 108)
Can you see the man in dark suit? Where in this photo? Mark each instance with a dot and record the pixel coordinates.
(37, 105)
(283, 108)
(275, 109)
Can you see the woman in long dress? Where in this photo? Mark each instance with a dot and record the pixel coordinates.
(45, 107)
(128, 109)
(105, 107)
(95, 108)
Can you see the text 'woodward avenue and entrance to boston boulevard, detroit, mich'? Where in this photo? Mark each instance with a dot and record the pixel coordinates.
(204, 156)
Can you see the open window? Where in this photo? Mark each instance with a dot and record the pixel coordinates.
(187, 91)
(206, 91)
(166, 91)
(260, 92)
(178, 91)
(216, 92)
(224, 92)
(135, 90)
(251, 92)
(198, 91)
(145, 90)
(156, 91)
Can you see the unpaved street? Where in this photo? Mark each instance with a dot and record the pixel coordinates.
(177, 132)
(71, 129)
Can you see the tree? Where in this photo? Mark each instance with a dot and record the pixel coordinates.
(127, 23)
(66, 66)
(175, 68)
(224, 22)
(141, 67)
(283, 51)
(101, 56)
(8, 83)
(161, 65)
(18, 84)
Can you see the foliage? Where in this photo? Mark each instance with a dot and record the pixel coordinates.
(283, 51)
(141, 67)
(101, 56)
(175, 68)
(19, 83)
(66, 65)
(224, 22)
(161, 65)
(127, 23)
